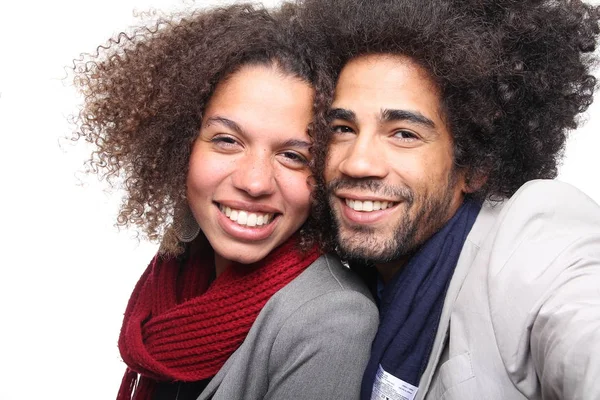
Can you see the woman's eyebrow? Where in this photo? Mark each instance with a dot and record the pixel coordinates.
(224, 121)
(238, 129)
(296, 143)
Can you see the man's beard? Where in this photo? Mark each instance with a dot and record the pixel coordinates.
(364, 244)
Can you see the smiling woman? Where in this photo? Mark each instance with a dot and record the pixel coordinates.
(247, 185)
(208, 118)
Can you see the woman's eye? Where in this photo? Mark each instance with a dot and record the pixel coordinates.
(294, 158)
(225, 141)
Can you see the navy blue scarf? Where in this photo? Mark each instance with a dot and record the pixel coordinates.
(411, 303)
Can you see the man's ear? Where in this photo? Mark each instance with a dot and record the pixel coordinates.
(474, 180)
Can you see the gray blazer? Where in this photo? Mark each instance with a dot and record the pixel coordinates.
(311, 341)
(521, 318)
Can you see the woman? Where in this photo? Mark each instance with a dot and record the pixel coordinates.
(206, 118)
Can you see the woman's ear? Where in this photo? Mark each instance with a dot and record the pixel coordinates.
(311, 181)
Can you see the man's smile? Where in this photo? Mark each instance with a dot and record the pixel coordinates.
(369, 205)
(365, 211)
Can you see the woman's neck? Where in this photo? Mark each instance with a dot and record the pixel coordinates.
(220, 264)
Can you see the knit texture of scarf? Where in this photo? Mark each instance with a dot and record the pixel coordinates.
(180, 327)
(412, 302)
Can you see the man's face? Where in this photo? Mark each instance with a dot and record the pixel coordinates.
(390, 173)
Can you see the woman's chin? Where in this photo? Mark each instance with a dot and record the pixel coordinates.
(242, 254)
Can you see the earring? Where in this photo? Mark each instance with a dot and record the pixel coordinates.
(185, 225)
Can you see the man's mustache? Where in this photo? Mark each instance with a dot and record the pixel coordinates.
(374, 186)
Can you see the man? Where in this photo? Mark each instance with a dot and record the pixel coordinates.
(445, 116)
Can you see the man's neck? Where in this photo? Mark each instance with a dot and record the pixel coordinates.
(388, 270)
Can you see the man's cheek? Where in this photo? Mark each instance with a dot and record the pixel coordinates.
(331, 167)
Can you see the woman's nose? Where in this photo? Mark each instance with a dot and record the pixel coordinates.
(254, 175)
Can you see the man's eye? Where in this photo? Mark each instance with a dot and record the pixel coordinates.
(405, 135)
(341, 129)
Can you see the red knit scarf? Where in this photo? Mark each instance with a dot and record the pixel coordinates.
(179, 327)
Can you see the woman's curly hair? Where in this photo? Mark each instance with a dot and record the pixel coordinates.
(145, 92)
(513, 74)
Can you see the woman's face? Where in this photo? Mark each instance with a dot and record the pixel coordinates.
(247, 183)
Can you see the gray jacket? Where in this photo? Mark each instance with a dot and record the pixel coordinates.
(311, 341)
(521, 319)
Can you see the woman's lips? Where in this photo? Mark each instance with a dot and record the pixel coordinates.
(246, 225)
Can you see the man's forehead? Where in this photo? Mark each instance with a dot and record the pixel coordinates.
(390, 68)
(372, 83)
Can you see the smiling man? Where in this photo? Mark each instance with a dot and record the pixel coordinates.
(390, 170)
(443, 137)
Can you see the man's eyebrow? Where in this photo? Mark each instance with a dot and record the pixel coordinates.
(341, 113)
(224, 121)
(389, 115)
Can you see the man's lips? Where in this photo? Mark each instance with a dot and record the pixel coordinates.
(365, 201)
(369, 205)
(366, 210)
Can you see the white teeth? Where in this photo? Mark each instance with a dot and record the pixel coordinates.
(369, 205)
(245, 217)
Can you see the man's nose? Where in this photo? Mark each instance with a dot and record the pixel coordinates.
(254, 174)
(364, 159)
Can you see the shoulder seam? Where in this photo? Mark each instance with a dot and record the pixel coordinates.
(331, 272)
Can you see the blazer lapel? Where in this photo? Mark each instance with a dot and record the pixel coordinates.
(216, 381)
(480, 229)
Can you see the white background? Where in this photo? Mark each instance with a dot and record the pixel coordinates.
(66, 272)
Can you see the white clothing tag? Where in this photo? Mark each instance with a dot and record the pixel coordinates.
(388, 387)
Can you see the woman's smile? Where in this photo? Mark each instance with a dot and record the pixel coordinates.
(247, 218)
(243, 225)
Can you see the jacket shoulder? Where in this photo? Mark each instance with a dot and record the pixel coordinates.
(324, 276)
(553, 197)
(537, 273)
(317, 329)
